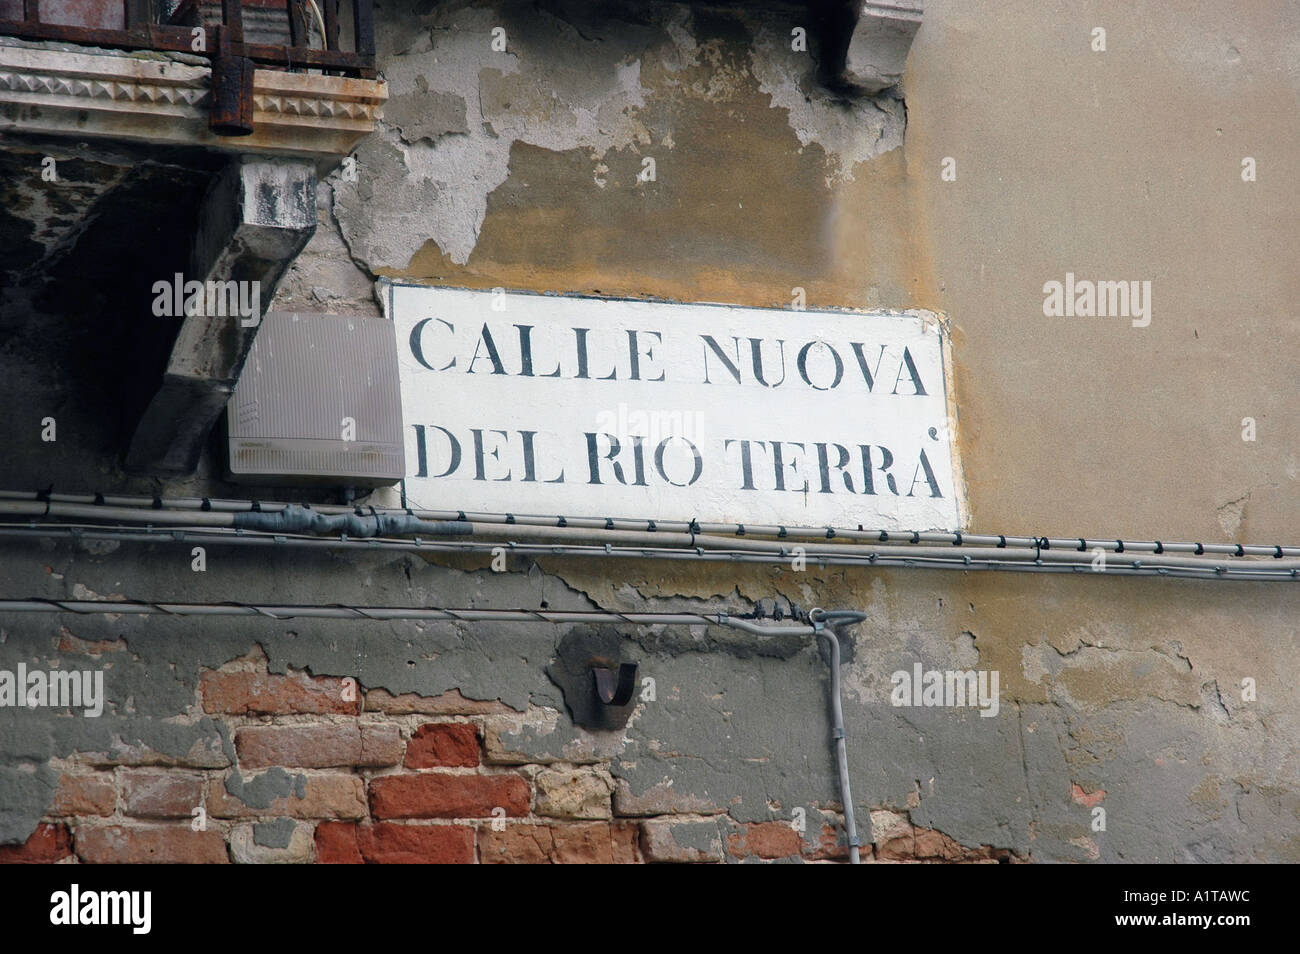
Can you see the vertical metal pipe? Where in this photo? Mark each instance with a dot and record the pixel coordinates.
(837, 733)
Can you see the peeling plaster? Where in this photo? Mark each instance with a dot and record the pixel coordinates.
(457, 109)
(850, 130)
(552, 88)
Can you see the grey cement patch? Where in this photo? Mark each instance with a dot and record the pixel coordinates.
(274, 834)
(259, 791)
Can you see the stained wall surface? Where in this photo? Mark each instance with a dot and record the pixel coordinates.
(519, 169)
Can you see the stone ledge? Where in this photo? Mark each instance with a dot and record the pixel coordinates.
(877, 52)
(114, 95)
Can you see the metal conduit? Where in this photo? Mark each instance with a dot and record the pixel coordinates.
(709, 548)
(940, 558)
(44, 504)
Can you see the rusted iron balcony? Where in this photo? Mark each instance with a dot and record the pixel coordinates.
(192, 75)
(134, 25)
(144, 28)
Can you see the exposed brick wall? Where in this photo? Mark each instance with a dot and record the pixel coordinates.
(324, 771)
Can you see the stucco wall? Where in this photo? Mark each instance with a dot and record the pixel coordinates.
(519, 169)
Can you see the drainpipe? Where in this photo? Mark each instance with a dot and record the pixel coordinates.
(822, 621)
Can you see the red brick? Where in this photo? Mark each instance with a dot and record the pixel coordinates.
(84, 795)
(324, 796)
(49, 843)
(319, 746)
(829, 845)
(447, 744)
(161, 794)
(72, 644)
(336, 844)
(389, 844)
(448, 796)
(1086, 799)
(680, 841)
(154, 845)
(934, 844)
(897, 847)
(260, 693)
(588, 843)
(774, 839)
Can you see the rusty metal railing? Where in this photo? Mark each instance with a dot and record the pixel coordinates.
(233, 59)
(177, 33)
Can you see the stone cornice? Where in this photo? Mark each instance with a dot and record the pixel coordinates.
(112, 95)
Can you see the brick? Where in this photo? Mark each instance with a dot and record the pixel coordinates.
(662, 799)
(928, 843)
(828, 844)
(153, 845)
(72, 644)
(773, 839)
(1084, 798)
(324, 796)
(336, 844)
(586, 843)
(448, 796)
(892, 835)
(161, 794)
(319, 746)
(84, 795)
(261, 693)
(244, 849)
(932, 845)
(450, 703)
(205, 753)
(47, 844)
(672, 841)
(444, 745)
(574, 793)
(540, 738)
(389, 844)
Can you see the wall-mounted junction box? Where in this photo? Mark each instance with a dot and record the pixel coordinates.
(318, 402)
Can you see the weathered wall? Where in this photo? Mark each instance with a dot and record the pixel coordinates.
(519, 169)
